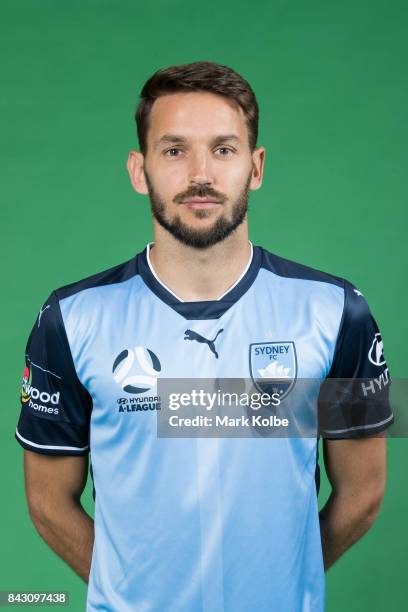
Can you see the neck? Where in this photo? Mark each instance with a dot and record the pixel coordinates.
(200, 274)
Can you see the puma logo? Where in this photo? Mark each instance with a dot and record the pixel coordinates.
(190, 334)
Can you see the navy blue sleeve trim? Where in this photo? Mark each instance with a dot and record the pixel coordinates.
(354, 398)
(55, 406)
(56, 439)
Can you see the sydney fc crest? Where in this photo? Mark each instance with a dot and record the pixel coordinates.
(273, 367)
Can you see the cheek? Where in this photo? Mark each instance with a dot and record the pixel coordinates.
(171, 180)
(235, 176)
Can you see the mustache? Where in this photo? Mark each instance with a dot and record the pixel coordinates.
(200, 192)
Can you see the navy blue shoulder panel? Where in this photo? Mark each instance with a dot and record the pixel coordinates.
(118, 274)
(291, 269)
(270, 261)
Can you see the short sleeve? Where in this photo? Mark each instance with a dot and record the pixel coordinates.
(55, 406)
(354, 398)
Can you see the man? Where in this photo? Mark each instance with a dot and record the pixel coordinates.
(186, 523)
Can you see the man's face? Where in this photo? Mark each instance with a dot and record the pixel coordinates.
(198, 167)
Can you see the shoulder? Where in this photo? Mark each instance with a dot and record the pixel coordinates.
(292, 269)
(114, 276)
(79, 308)
(73, 306)
(319, 283)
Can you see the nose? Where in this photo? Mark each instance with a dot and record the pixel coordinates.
(200, 168)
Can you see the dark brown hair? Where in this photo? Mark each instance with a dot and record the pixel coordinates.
(197, 76)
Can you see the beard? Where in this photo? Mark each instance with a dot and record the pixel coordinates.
(200, 238)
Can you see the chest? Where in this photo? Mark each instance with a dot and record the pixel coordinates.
(126, 351)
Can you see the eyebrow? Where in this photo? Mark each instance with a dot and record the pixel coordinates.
(175, 138)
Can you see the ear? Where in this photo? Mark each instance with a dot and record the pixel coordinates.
(135, 167)
(258, 161)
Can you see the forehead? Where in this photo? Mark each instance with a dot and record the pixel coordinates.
(195, 115)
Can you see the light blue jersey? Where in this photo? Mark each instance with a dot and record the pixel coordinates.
(194, 524)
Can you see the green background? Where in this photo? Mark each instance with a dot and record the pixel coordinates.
(331, 82)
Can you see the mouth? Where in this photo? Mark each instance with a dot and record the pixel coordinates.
(195, 203)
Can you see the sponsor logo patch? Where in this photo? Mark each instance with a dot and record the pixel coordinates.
(376, 352)
(38, 400)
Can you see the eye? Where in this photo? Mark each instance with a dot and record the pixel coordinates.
(172, 149)
(225, 149)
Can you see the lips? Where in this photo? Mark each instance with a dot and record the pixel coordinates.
(204, 204)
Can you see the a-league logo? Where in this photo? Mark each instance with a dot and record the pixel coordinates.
(136, 370)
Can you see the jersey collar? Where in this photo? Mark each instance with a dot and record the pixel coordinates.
(203, 309)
